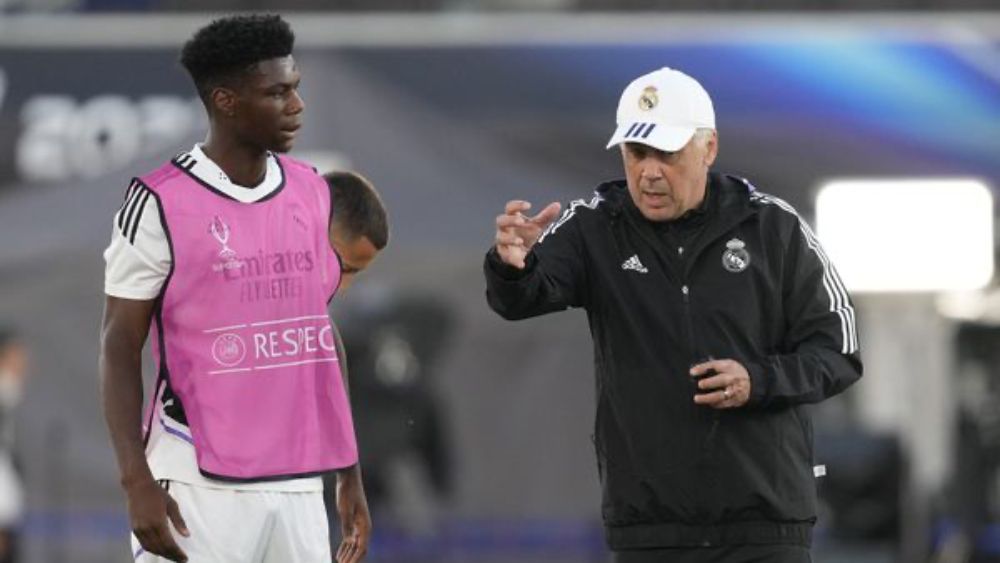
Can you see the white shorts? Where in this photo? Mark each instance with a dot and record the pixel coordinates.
(234, 526)
(11, 499)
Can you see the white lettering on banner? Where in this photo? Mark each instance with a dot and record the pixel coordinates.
(259, 340)
(292, 342)
(331, 346)
(274, 348)
(64, 140)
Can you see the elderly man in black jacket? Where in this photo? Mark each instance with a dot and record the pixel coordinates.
(716, 318)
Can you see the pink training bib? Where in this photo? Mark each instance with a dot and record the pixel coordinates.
(242, 330)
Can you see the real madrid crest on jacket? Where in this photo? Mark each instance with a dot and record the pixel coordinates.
(735, 258)
(750, 283)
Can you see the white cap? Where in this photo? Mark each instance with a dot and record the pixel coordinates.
(662, 109)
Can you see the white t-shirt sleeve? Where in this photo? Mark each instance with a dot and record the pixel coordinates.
(138, 259)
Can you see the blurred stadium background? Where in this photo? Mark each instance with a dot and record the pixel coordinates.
(475, 433)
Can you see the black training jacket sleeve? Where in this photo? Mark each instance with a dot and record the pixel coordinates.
(821, 334)
(552, 279)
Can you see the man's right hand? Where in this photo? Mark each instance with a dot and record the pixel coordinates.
(516, 233)
(150, 511)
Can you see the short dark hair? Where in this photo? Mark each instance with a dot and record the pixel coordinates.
(230, 46)
(356, 208)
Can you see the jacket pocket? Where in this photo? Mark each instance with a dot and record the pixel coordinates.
(764, 466)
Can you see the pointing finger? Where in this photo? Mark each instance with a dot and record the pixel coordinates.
(548, 214)
(516, 206)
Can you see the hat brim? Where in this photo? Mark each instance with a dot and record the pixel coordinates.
(659, 136)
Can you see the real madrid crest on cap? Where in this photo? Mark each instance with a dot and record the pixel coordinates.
(648, 99)
(735, 258)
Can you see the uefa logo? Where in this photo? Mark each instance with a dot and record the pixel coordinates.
(229, 349)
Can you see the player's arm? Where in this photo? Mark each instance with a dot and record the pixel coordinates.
(352, 505)
(534, 266)
(821, 340)
(123, 333)
(138, 261)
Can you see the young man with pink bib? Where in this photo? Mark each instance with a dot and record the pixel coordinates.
(222, 258)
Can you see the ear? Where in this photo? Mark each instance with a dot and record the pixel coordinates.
(712, 148)
(335, 234)
(224, 101)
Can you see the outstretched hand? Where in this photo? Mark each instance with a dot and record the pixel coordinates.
(517, 233)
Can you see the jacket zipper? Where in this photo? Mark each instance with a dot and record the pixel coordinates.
(707, 463)
(690, 254)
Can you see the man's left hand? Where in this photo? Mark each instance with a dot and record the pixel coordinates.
(728, 388)
(355, 521)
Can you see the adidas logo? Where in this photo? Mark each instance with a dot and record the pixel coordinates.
(633, 263)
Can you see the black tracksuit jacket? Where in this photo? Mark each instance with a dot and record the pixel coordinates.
(659, 298)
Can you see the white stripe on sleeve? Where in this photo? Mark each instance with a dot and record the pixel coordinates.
(137, 261)
(840, 302)
(569, 213)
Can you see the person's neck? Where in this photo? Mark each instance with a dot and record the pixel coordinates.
(702, 200)
(244, 165)
(699, 201)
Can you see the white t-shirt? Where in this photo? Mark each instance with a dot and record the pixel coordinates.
(136, 264)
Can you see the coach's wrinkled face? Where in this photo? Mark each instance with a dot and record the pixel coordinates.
(664, 185)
